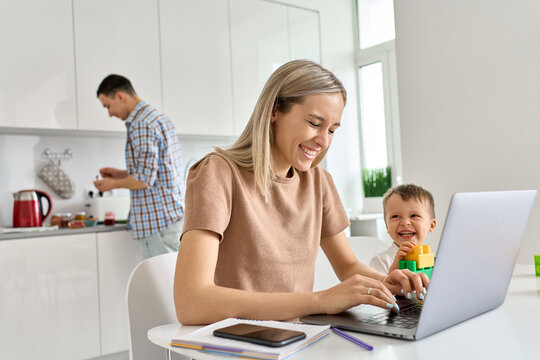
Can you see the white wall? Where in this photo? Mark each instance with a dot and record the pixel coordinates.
(469, 90)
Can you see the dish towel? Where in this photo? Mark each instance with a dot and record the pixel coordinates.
(57, 180)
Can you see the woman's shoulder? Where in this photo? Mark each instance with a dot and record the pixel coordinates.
(213, 163)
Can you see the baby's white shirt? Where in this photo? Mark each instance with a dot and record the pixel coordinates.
(383, 260)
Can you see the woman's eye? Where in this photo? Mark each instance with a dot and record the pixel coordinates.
(331, 131)
(313, 124)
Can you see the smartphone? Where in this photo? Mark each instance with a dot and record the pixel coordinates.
(262, 335)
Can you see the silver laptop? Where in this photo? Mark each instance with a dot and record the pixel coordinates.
(474, 263)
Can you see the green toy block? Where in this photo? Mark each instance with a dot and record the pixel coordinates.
(411, 265)
(407, 264)
(537, 270)
(537, 264)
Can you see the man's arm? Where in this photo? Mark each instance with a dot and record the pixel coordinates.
(128, 182)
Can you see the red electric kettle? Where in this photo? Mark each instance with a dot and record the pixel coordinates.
(27, 208)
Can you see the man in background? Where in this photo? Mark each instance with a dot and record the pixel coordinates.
(153, 167)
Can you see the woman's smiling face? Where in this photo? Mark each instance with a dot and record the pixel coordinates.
(304, 131)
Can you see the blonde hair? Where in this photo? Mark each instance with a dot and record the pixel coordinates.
(288, 85)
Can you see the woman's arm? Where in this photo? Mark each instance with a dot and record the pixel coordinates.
(199, 300)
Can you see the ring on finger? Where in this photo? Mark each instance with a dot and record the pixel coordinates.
(369, 291)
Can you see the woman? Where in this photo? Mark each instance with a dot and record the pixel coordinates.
(257, 213)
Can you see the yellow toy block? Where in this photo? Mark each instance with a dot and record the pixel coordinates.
(422, 255)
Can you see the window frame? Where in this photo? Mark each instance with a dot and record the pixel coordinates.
(385, 53)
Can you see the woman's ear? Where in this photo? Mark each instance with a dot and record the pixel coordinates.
(274, 115)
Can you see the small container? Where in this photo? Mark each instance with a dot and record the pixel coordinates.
(66, 219)
(109, 218)
(56, 220)
(80, 216)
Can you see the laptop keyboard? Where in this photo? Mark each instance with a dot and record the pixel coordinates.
(407, 317)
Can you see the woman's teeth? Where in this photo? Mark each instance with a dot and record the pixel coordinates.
(307, 151)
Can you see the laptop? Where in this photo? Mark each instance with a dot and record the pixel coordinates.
(474, 263)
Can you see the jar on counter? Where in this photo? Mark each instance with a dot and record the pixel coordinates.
(66, 219)
(109, 218)
(80, 216)
(56, 219)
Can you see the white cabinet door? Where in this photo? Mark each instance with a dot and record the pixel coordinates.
(118, 254)
(120, 37)
(37, 86)
(304, 34)
(195, 44)
(259, 43)
(48, 298)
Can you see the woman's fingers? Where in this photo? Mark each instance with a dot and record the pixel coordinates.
(378, 297)
(374, 292)
(407, 283)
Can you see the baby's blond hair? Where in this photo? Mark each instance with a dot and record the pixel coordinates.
(411, 191)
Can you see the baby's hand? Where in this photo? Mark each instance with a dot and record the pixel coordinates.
(404, 249)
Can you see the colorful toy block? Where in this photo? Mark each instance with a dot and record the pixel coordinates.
(537, 264)
(420, 259)
(422, 255)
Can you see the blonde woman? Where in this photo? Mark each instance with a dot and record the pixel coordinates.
(257, 213)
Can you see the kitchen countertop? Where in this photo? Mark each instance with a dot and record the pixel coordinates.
(63, 231)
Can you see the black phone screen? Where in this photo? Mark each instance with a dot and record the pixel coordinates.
(262, 335)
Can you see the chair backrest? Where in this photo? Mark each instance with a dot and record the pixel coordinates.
(150, 303)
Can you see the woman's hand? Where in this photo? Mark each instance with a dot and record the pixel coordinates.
(354, 291)
(405, 282)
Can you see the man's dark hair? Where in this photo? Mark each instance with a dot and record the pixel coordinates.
(113, 84)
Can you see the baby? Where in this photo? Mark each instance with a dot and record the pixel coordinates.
(409, 216)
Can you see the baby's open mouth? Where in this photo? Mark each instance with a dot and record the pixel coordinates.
(407, 233)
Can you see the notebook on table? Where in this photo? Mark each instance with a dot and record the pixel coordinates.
(203, 339)
(475, 259)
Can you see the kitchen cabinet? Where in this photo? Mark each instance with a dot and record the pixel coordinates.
(37, 89)
(304, 34)
(118, 254)
(49, 298)
(264, 36)
(196, 66)
(259, 43)
(203, 63)
(120, 37)
(63, 297)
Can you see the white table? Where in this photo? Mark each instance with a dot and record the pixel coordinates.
(511, 331)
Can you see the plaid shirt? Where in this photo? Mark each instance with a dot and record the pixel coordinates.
(153, 156)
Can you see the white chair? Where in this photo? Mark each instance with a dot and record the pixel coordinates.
(150, 303)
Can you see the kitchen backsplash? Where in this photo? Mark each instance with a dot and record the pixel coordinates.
(21, 159)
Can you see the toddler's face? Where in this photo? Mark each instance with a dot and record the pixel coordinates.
(408, 220)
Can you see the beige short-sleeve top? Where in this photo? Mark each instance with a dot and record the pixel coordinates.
(265, 246)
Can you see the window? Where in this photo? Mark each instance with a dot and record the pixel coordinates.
(379, 120)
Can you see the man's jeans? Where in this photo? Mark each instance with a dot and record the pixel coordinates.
(167, 240)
